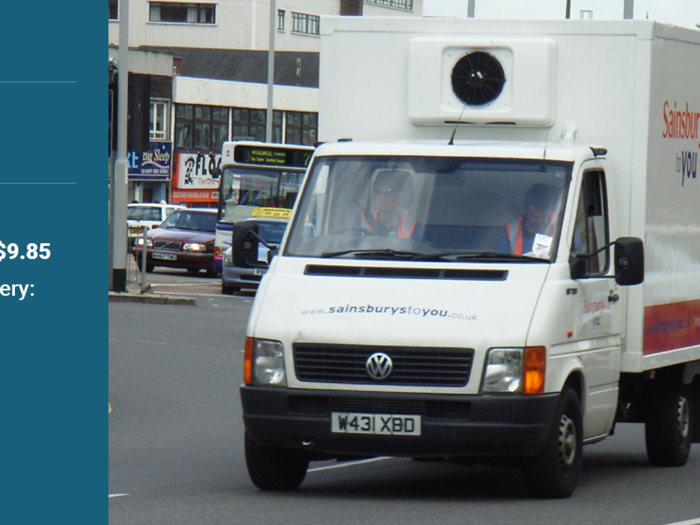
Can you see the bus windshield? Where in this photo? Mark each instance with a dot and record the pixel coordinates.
(244, 189)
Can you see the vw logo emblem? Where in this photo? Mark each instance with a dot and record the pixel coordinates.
(379, 366)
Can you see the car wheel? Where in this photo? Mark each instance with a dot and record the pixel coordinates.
(668, 425)
(555, 471)
(273, 468)
(149, 267)
(230, 289)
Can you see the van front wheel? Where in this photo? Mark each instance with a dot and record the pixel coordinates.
(272, 468)
(555, 471)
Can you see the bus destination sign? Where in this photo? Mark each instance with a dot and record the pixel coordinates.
(271, 156)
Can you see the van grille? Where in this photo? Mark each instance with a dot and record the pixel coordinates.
(412, 366)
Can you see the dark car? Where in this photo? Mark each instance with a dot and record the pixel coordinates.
(183, 240)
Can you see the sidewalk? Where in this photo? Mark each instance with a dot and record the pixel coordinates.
(133, 295)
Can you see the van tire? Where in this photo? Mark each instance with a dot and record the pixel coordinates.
(275, 469)
(668, 425)
(554, 472)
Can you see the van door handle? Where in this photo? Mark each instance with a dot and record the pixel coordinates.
(613, 297)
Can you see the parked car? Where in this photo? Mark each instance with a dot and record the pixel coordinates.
(270, 232)
(147, 215)
(183, 240)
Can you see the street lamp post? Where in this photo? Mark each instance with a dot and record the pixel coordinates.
(271, 70)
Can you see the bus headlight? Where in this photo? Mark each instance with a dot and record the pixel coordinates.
(263, 363)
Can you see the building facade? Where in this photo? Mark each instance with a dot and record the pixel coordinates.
(217, 87)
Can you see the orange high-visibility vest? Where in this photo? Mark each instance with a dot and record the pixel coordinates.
(401, 232)
(514, 230)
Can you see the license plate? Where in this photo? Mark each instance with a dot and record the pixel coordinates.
(259, 271)
(379, 424)
(164, 256)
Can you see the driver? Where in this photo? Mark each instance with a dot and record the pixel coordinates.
(386, 217)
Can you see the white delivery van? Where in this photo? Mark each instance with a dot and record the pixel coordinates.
(495, 256)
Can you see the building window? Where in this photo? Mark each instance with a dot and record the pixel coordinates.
(159, 119)
(201, 128)
(398, 4)
(280, 19)
(302, 128)
(250, 124)
(114, 9)
(182, 13)
(305, 24)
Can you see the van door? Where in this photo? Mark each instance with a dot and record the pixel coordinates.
(600, 313)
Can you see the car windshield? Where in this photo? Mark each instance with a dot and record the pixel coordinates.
(190, 220)
(143, 213)
(271, 232)
(431, 208)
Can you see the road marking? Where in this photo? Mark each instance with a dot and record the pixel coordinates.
(196, 294)
(160, 285)
(362, 462)
(689, 522)
(117, 495)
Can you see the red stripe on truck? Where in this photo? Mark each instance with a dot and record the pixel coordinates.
(671, 326)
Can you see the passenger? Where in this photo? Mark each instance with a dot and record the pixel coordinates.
(386, 217)
(538, 223)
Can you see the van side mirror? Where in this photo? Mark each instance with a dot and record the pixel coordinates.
(629, 261)
(244, 245)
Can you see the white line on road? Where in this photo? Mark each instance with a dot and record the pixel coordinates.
(161, 285)
(117, 495)
(351, 464)
(689, 522)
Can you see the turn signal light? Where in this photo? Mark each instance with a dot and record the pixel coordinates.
(534, 370)
(248, 361)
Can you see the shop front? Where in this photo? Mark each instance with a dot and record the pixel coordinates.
(196, 180)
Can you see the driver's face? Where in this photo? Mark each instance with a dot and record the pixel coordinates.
(385, 196)
(536, 219)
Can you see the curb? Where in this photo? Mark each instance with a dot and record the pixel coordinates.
(151, 299)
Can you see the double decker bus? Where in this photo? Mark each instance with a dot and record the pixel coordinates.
(256, 175)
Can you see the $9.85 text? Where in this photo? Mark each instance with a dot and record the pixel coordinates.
(33, 251)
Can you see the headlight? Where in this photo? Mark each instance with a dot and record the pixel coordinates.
(194, 247)
(139, 242)
(264, 363)
(504, 370)
(228, 256)
(521, 370)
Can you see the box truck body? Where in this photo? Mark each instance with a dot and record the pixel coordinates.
(461, 329)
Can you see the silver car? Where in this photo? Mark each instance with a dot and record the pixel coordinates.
(234, 278)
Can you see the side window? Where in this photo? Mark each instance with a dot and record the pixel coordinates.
(591, 229)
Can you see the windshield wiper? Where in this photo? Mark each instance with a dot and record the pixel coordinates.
(385, 253)
(484, 255)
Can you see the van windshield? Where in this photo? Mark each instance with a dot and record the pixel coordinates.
(431, 208)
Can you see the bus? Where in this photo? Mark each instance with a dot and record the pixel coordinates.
(255, 175)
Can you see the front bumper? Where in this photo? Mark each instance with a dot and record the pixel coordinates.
(452, 425)
(187, 260)
(244, 277)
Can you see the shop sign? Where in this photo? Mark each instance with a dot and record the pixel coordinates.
(198, 171)
(154, 164)
(195, 195)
